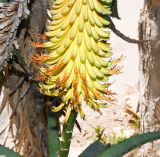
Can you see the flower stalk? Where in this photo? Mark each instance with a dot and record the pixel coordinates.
(66, 136)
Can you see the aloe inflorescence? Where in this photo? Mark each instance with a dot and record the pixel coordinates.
(78, 61)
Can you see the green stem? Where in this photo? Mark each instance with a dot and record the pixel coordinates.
(53, 141)
(67, 135)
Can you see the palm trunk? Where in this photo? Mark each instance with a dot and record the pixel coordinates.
(27, 103)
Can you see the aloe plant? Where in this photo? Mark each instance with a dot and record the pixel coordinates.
(74, 65)
(97, 149)
(122, 148)
(6, 152)
(94, 149)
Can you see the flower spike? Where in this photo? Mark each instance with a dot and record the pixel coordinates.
(79, 56)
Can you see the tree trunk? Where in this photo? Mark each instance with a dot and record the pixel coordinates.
(149, 85)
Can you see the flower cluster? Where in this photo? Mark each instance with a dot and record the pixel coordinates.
(78, 62)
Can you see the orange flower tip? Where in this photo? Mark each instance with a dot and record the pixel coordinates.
(55, 67)
(75, 84)
(76, 71)
(96, 93)
(86, 96)
(65, 78)
(108, 92)
(43, 37)
(114, 71)
(116, 61)
(61, 64)
(108, 84)
(41, 77)
(83, 77)
(106, 98)
(76, 97)
(122, 57)
(37, 45)
(39, 58)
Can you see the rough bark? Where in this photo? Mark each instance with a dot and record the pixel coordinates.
(27, 103)
(149, 85)
(11, 15)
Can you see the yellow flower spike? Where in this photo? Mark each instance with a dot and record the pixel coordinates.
(78, 61)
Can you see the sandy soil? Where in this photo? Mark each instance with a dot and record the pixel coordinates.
(125, 84)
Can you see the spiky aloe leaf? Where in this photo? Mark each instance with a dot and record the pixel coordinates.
(53, 141)
(118, 150)
(6, 152)
(94, 149)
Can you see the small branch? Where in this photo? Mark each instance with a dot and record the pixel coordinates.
(122, 36)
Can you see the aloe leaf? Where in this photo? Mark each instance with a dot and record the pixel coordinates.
(122, 148)
(94, 149)
(6, 152)
(53, 141)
